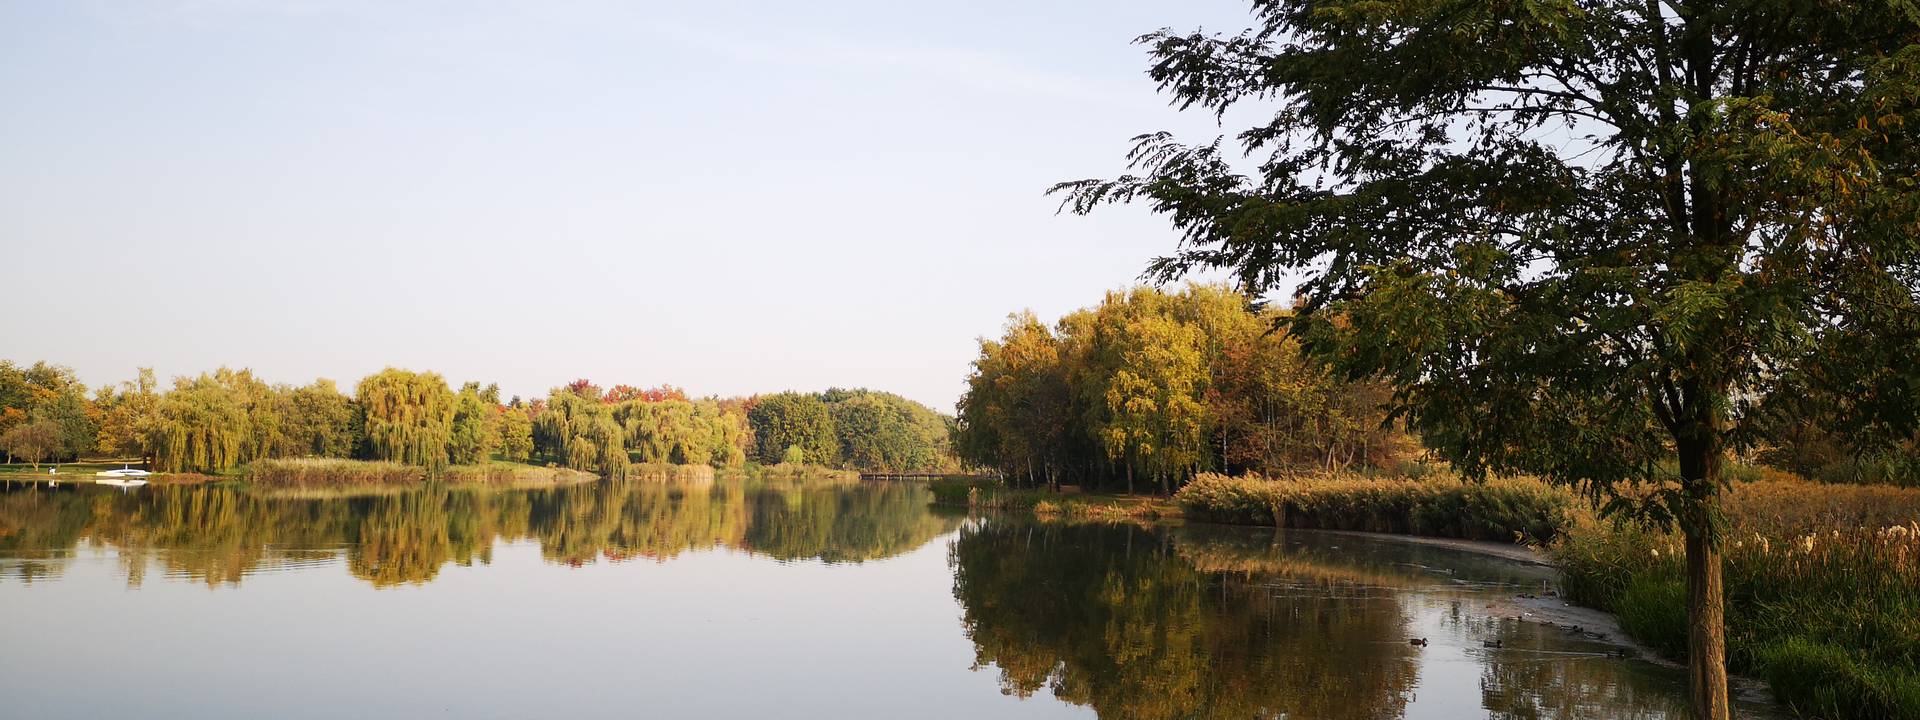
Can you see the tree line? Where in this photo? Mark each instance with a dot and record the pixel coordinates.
(1149, 388)
(220, 420)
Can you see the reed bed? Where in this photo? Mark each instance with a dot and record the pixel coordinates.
(1505, 510)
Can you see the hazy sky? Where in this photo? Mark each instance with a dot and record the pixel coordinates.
(732, 197)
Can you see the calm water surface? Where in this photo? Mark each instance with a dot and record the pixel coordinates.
(749, 599)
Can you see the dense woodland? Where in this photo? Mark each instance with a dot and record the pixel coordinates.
(221, 420)
(1150, 388)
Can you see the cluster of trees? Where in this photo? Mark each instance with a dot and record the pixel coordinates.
(44, 413)
(854, 429)
(226, 418)
(1160, 386)
(581, 427)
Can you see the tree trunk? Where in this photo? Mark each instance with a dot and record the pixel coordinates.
(1706, 630)
(1700, 469)
(1129, 478)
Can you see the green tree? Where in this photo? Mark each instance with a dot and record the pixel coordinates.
(784, 420)
(516, 434)
(581, 431)
(409, 416)
(203, 424)
(793, 456)
(884, 432)
(320, 421)
(1579, 237)
(476, 427)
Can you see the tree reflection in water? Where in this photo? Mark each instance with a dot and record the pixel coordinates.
(219, 535)
(1152, 622)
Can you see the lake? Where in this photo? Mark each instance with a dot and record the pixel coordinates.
(752, 598)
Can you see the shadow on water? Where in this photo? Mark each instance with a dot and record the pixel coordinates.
(219, 535)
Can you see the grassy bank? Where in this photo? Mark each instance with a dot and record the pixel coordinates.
(1822, 587)
(1506, 510)
(330, 472)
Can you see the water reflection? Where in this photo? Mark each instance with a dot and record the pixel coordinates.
(220, 535)
(1209, 622)
(1063, 620)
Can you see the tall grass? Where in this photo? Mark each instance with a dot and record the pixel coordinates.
(1507, 510)
(1822, 587)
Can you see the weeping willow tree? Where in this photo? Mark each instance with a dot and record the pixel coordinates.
(581, 431)
(682, 432)
(203, 425)
(409, 416)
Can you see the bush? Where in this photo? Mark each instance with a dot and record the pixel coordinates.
(1508, 510)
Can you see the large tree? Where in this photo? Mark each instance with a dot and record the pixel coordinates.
(1581, 237)
(409, 416)
(784, 420)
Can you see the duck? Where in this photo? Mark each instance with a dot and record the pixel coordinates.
(1418, 642)
(1491, 643)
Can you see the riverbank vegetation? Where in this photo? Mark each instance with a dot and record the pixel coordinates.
(400, 424)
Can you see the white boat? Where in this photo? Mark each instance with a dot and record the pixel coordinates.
(124, 472)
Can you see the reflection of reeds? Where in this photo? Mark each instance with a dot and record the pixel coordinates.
(309, 473)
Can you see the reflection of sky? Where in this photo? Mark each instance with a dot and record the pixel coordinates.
(719, 633)
(707, 634)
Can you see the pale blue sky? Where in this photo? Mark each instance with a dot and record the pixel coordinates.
(733, 197)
